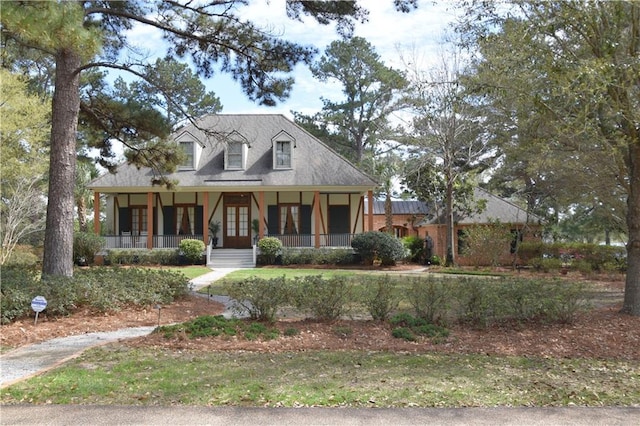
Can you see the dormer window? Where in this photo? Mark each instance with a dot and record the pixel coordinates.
(235, 155)
(283, 145)
(283, 154)
(187, 148)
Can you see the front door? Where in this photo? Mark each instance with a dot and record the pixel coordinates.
(237, 218)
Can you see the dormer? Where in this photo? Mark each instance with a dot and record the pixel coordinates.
(192, 150)
(283, 144)
(235, 152)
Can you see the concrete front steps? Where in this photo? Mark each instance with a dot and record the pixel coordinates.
(231, 258)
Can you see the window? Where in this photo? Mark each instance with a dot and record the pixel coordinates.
(283, 144)
(187, 148)
(289, 219)
(234, 155)
(283, 155)
(138, 220)
(185, 220)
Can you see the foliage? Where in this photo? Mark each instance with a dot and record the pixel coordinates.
(487, 244)
(22, 212)
(319, 256)
(142, 257)
(378, 245)
(370, 88)
(23, 255)
(326, 299)
(566, 105)
(407, 327)
(430, 298)
(202, 326)
(86, 245)
(192, 249)
(270, 247)
(415, 247)
(448, 149)
(101, 289)
(260, 298)
(380, 296)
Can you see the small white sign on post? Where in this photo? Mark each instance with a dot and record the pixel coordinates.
(38, 304)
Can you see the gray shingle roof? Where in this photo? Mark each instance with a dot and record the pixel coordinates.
(314, 163)
(497, 209)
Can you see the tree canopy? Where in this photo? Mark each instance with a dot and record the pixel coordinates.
(565, 77)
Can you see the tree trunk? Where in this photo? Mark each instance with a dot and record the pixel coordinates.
(81, 205)
(631, 303)
(450, 260)
(388, 214)
(58, 240)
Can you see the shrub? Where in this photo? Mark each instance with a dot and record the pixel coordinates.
(379, 296)
(20, 285)
(547, 264)
(85, 247)
(476, 303)
(403, 333)
(407, 327)
(142, 257)
(430, 297)
(192, 250)
(270, 247)
(415, 247)
(260, 298)
(325, 299)
(486, 244)
(378, 245)
(320, 256)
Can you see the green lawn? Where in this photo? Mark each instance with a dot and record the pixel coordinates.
(118, 375)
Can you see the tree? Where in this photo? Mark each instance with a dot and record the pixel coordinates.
(371, 90)
(24, 129)
(84, 36)
(447, 138)
(586, 55)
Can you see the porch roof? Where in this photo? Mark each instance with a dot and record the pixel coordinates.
(314, 165)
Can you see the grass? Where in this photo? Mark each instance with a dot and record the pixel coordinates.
(190, 272)
(118, 375)
(217, 287)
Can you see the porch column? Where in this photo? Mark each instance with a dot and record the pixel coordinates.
(149, 220)
(370, 212)
(96, 212)
(205, 218)
(316, 215)
(261, 213)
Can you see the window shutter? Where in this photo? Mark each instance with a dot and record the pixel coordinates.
(168, 213)
(198, 225)
(305, 219)
(272, 218)
(124, 219)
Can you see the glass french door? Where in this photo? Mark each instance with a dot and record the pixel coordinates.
(237, 229)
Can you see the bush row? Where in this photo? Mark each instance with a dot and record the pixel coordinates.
(582, 257)
(100, 288)
(476, 301)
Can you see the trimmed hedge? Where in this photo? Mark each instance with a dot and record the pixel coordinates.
(101, 289)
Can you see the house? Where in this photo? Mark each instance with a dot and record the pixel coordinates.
(421, 219)
(254, 176)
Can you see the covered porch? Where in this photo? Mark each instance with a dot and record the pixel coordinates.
(162, 219)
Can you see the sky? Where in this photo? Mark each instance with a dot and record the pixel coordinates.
(390, 32)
